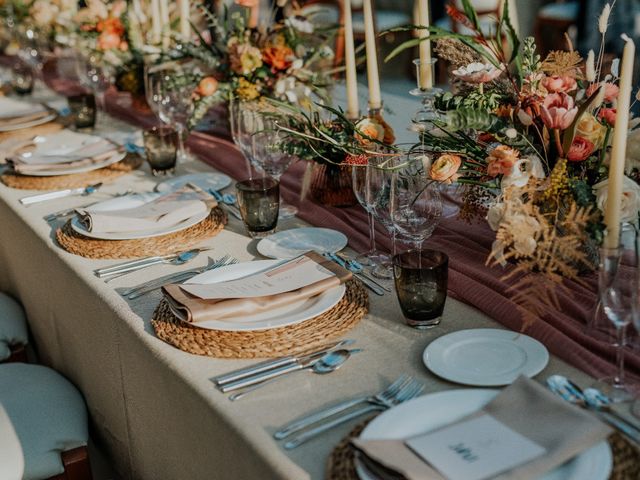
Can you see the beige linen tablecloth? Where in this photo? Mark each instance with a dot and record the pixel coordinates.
(152, 406)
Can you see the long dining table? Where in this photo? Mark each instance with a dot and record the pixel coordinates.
(153, 407)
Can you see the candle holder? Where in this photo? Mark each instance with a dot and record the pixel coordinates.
(427, 114)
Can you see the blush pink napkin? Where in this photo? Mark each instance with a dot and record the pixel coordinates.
(561, 330)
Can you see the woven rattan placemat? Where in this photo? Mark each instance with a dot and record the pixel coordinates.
(76, 180)
(340, 465)
(78, 244)
(264, 343)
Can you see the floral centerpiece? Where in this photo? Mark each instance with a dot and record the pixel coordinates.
(528, 138)
(110, 31)
(290, 60)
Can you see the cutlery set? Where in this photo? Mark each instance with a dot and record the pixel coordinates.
(358, 271)
(69, 192)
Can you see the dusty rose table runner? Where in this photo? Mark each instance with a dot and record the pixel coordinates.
(470, 281)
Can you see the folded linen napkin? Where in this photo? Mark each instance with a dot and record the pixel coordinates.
(14, 112)
(525, 407)
(297, 279)
(163, 212)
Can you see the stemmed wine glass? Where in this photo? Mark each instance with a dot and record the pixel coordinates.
(416, 205)
(169, 90)
(96, 75)
(618, 293)
(268, 155)
(361, 182)
(32, 49)
(245, 120)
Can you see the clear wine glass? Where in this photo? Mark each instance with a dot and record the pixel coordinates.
(361, 182)
(416, 205)
(169, 93)
(96, 75)
(618, 293)
(245, 120)
(33, 48)
(267, 153)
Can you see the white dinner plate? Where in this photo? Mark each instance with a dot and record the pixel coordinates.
(429, 412)
(205, 181)
(295, 242)
(133, 201)
(485, 357)
(279, 317)
(64, 142)
(33, 123)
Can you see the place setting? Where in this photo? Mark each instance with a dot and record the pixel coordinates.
(63, 160)
(18, 115)
(142, 224)
(234, 312)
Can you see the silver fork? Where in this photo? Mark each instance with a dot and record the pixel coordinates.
(146, 287)
(381, 398)
(407, 392)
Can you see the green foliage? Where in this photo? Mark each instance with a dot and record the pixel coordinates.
(468, 118)
(530, 57)
(487, 101)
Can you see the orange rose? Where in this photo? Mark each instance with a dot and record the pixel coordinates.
(279, 57)
(108, 40)
(445, 168)
(501, 160)
(207, 86)
(111, 25)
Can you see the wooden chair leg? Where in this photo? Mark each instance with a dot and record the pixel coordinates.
(76, 465)
(18, 354)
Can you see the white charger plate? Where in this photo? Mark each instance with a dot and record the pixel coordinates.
(295, 242)
(429, 412)
(279, 317)
(485, 357)
(33, 123)
(205, 181)
(133, 201)
(61, 143)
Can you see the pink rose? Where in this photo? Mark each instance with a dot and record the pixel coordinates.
(558, 111)
(580, 150)
(608, 115)
(557, 83)
(611, 91)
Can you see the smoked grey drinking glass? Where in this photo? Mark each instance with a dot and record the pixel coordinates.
(421, 285)
(83, 110)
(161, 148)
(259, 202)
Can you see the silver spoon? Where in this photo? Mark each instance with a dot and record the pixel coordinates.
(328, 363)
(569, 391)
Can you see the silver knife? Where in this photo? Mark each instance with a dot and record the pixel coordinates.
(43, 197)
(267, 365)
(299, 363)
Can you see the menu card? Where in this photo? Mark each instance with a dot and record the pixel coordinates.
(290, 275)
(475, 449)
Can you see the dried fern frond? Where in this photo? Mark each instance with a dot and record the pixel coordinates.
(560, 63)
(455, 52)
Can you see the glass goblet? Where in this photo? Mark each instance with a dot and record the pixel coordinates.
(96, 75)
(245, 121)
(361, 182)
(618, 293)
(267, 153)
(415, 202)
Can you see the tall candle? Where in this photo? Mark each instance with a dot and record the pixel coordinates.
(185, 27)
(353, 109)
(156, 28)
(375, 101)
(616, 165)
(166, 23)
(426, 72)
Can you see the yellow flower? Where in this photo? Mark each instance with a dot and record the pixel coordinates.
(247, 90)
(245, 58)
(591, 129)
